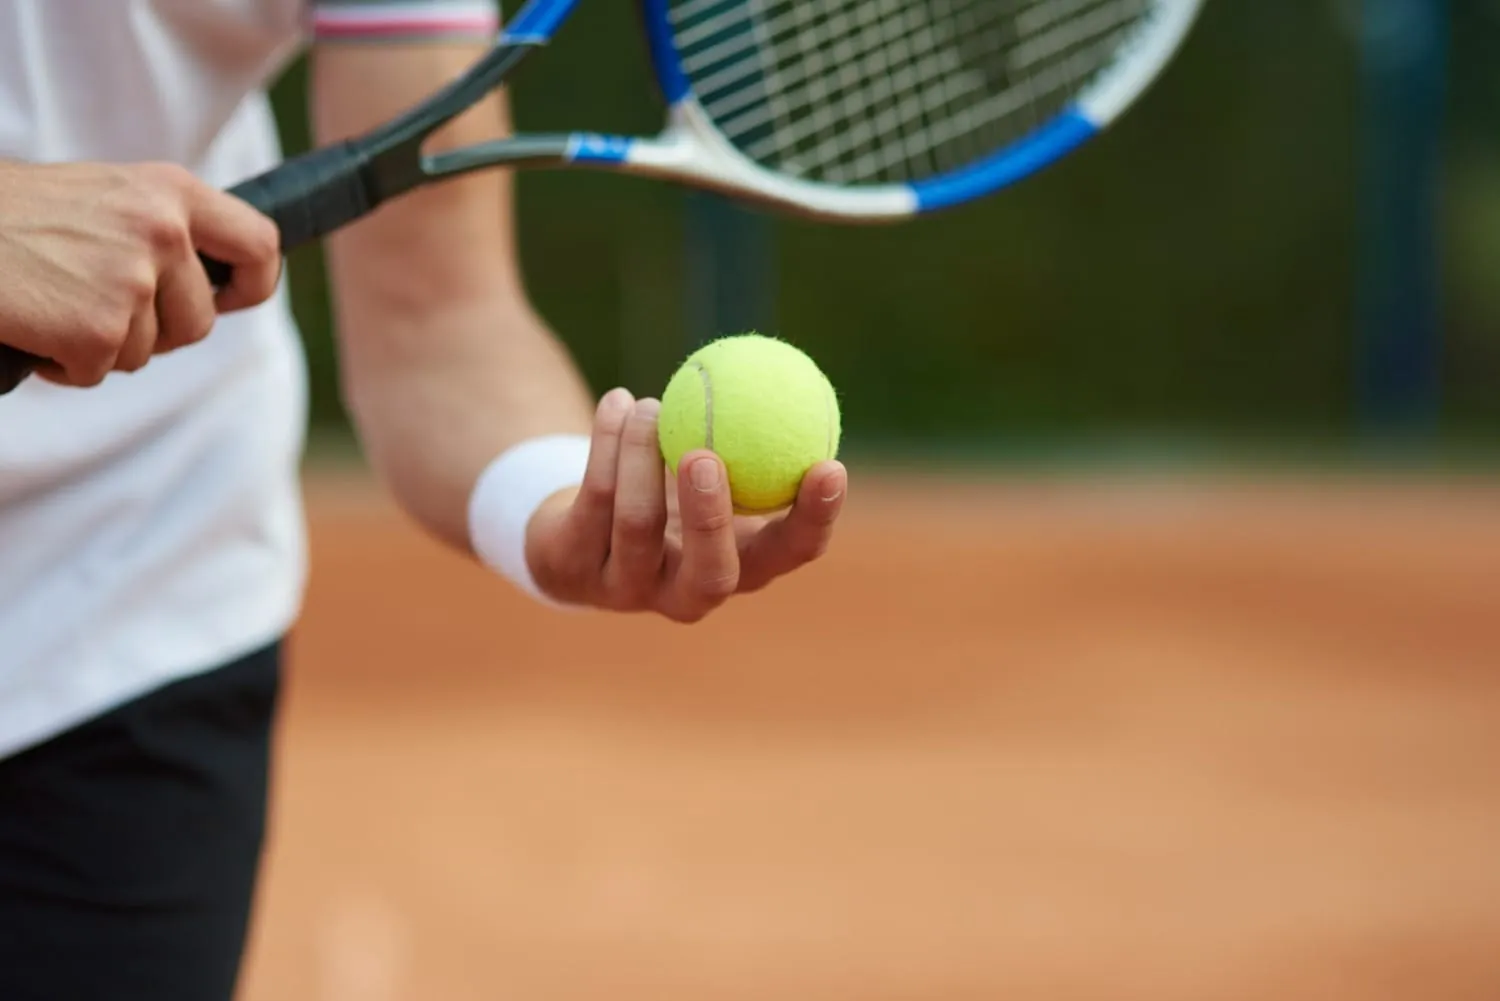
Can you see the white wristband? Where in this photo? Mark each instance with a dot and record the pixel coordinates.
(508, 493)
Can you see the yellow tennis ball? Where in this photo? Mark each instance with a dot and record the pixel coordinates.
(760, 404)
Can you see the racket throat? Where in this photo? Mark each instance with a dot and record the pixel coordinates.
(541, 150)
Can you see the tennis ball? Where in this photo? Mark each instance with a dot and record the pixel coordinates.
(762, 406)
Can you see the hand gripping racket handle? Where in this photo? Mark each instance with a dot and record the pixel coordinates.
(307, 197)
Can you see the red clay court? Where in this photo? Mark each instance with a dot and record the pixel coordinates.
(1061, 741)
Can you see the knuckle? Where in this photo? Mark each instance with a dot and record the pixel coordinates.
(713, 522)
(167, 176)
(167, 233)
(595, 491)
(719, 587)
(88, 355)
(640, 431)
(165, 182)
(139, 283)
(158, 213)
(640, 523)
(96, 344)
(263, 241)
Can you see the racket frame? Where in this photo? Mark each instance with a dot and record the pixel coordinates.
(312, 195)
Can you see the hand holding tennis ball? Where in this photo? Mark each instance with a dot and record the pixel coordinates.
(748, 425)
(762, 406)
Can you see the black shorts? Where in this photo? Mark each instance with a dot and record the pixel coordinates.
(129, 847)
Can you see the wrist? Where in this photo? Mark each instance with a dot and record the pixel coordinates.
(508, 495)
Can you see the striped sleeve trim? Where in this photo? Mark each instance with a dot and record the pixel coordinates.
(404, 20)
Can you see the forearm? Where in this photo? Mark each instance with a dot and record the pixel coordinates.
(439, 394)
(444, 364)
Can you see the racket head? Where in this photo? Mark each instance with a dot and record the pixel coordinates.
(878, 109)
(537, 21)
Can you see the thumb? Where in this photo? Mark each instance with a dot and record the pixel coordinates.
(551, 548)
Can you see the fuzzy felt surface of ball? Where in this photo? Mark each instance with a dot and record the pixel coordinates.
(759, 403)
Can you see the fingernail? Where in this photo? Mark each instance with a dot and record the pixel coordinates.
(648, 408)
(833, 486)
(705, 475)
(615, 401)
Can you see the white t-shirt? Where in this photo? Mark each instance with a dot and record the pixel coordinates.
(151, 527)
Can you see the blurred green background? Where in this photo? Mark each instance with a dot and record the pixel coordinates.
(1192, 277)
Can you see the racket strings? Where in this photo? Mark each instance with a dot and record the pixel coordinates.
(886, 91)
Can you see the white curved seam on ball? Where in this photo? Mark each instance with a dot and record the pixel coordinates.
(828, 408)
(708, 405)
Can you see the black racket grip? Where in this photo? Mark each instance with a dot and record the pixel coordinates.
(307, 197)
(15, 367)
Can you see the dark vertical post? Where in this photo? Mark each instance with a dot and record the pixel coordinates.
(730, 269)
(1404, 67)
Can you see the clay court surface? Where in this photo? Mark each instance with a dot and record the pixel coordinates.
(1035, 741)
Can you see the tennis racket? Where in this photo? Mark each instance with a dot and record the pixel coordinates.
(840, 110)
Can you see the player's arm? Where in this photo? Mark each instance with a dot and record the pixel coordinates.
(444, 363)
(462, 396)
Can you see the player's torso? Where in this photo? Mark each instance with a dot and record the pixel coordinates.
(133, 79)
(149, 527)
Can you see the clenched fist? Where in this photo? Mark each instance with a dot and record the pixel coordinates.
(99, 266)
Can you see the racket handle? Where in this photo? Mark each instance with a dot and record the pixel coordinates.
(15, 366)
(307, 197)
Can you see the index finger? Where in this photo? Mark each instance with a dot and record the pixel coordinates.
(231, 231)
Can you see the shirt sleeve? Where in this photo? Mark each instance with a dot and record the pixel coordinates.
(404, 20)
